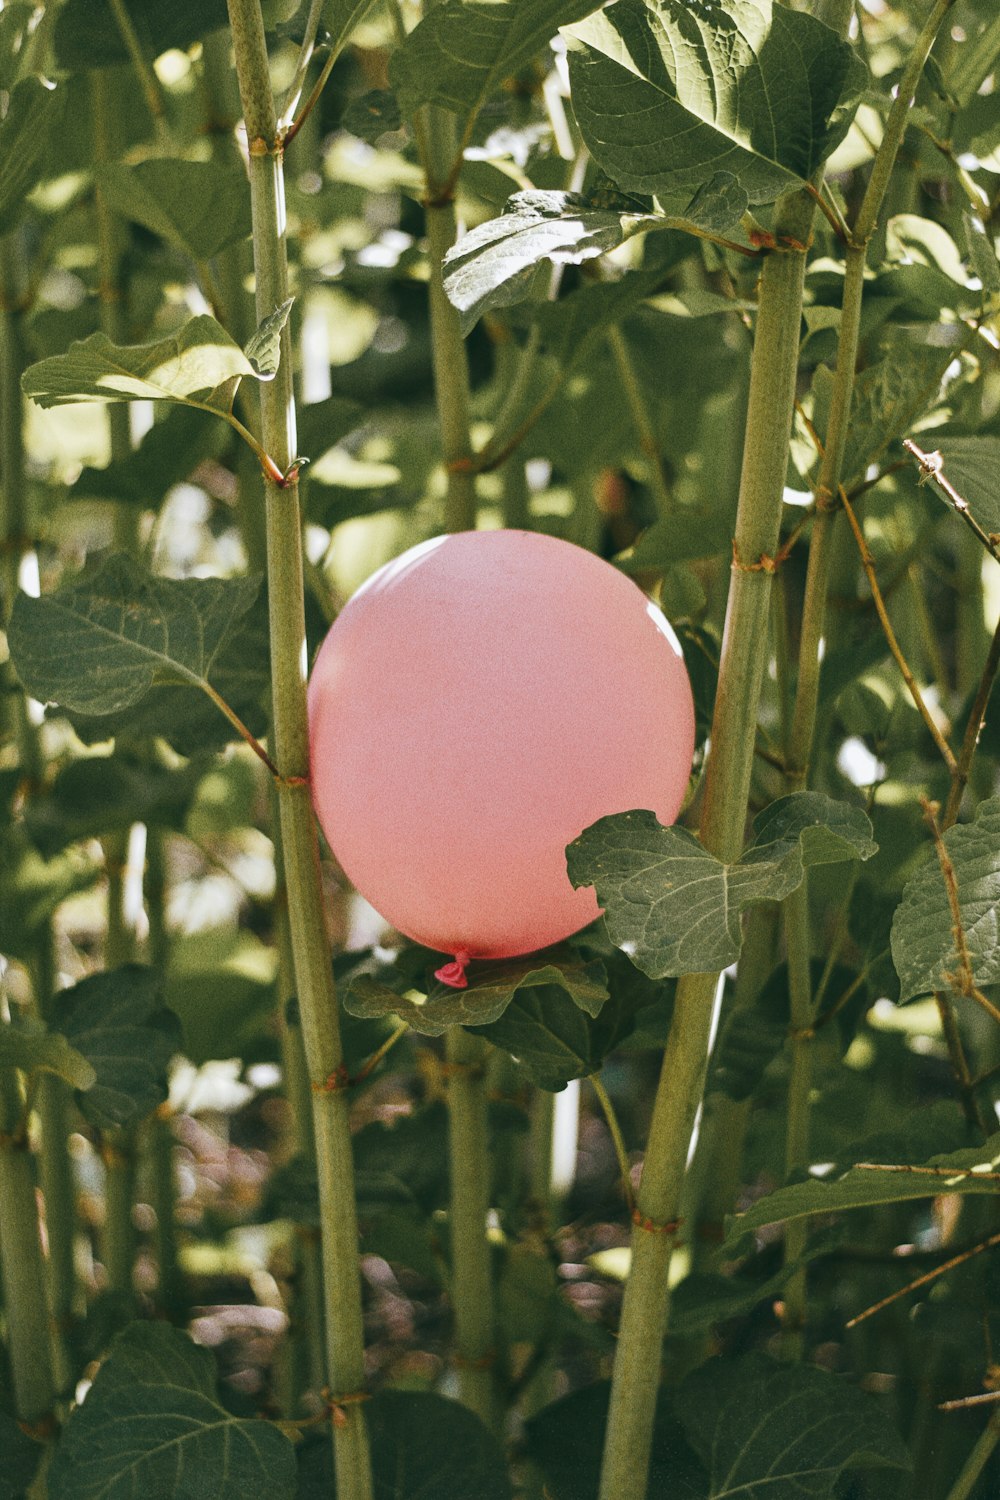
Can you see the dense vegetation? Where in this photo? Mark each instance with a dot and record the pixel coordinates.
(712, 290)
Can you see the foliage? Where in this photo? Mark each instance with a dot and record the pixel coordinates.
(561, 240)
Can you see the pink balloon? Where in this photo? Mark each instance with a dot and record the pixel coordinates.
(478, 703)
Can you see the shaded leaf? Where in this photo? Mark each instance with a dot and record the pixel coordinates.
(719, 204)
(422, 1445)
(888, 397)
(39, 1051)
(21, 1454)
(199, 206)
(169, 452)
(553, 1039)
(220, 983)
(565, 1440)
(31, 888)
(152, 1425)
(118, 1021)
(194, 364)
(340, 18)
(767, 1431)
(494, 264)
(323, 424)
(264, 349)
(99, 645)
(923, 940)
(33, 111)
(666, 96)
(463, 49)
(569, 327)
(492, 985)
(865, 1186)
(85, 36)
(370, 116)
(675, 907)
(106, 793)
(982, 253)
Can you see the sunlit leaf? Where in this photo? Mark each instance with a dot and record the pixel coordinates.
(667, 95)
(675, 908)
(192, 365)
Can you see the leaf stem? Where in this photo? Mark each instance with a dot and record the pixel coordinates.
(617, 1139)
(639, 407)
(313, 968)
(727, 787)
(148, 81)
(932, 468)
(241, 729)
(977, 1460)
(294, 91)
(973, 729)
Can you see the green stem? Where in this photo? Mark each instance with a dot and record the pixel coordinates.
(313, 969)
(119, 1238)
(639, 407)
(471, 1270)
(727, 788)
(21, 1264)
(159, 1136)
(542, 1121)
(149, 83)
(977, 1460)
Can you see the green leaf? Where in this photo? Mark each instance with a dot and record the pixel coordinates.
(103, 794)
(118, 1022)
(492, 984)
(340, 17)
(553, 1039)
(494, 265)
(869, 1185)
(971, 465)
(169, 452)
(463, 49)
(86, 36)
(40, 1051)
(372, 115)
(767, 1431)
(982, 253)
(31, 888)
(99, 645)
(199, 206)
(719, 205)
(675, 908)
(152, 1425)
(221, 984)
(323, 424)
(666, 96)
(264, 349)
(32, 112)
(422, 1446)
(198, 363)
(565, 1441)
(569, 327)
(923, 939)
(888, 397)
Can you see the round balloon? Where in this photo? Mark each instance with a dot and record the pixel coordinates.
(478, 703)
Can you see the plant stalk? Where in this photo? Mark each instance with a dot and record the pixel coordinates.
(727, 789)
(311, 952)
(471, 1269)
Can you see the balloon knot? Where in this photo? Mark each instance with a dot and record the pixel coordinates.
(454, 973)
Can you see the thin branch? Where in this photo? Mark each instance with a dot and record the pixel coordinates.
(928, 1276)
(932, 469)
(867, 562)
(294, 93)
(241, 729)
(617, 1139)
(973, 729)
(963, 982)
(148, 81)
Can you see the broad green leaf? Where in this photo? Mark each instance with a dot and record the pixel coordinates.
(264, 349)
(553, 1039)
(86, 36)
(169, 452)
(152, 1424)
(495, 264)
(32, 112)
(463, 49)
(370, 116)
(923, 939)
(40, 1051)
(492, 984)
(102, 794)
(569, 326)
(565, 1441)
(118, 1021)
(719, 205)
(99, 645)
(220, 983)
(323, 424)
(675, 908)
(971, 465)
(199, 206)
(973, 1170)
(197, 364)
(422, 1446)
(769, 1431)
(685, 534)
(666, 96)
